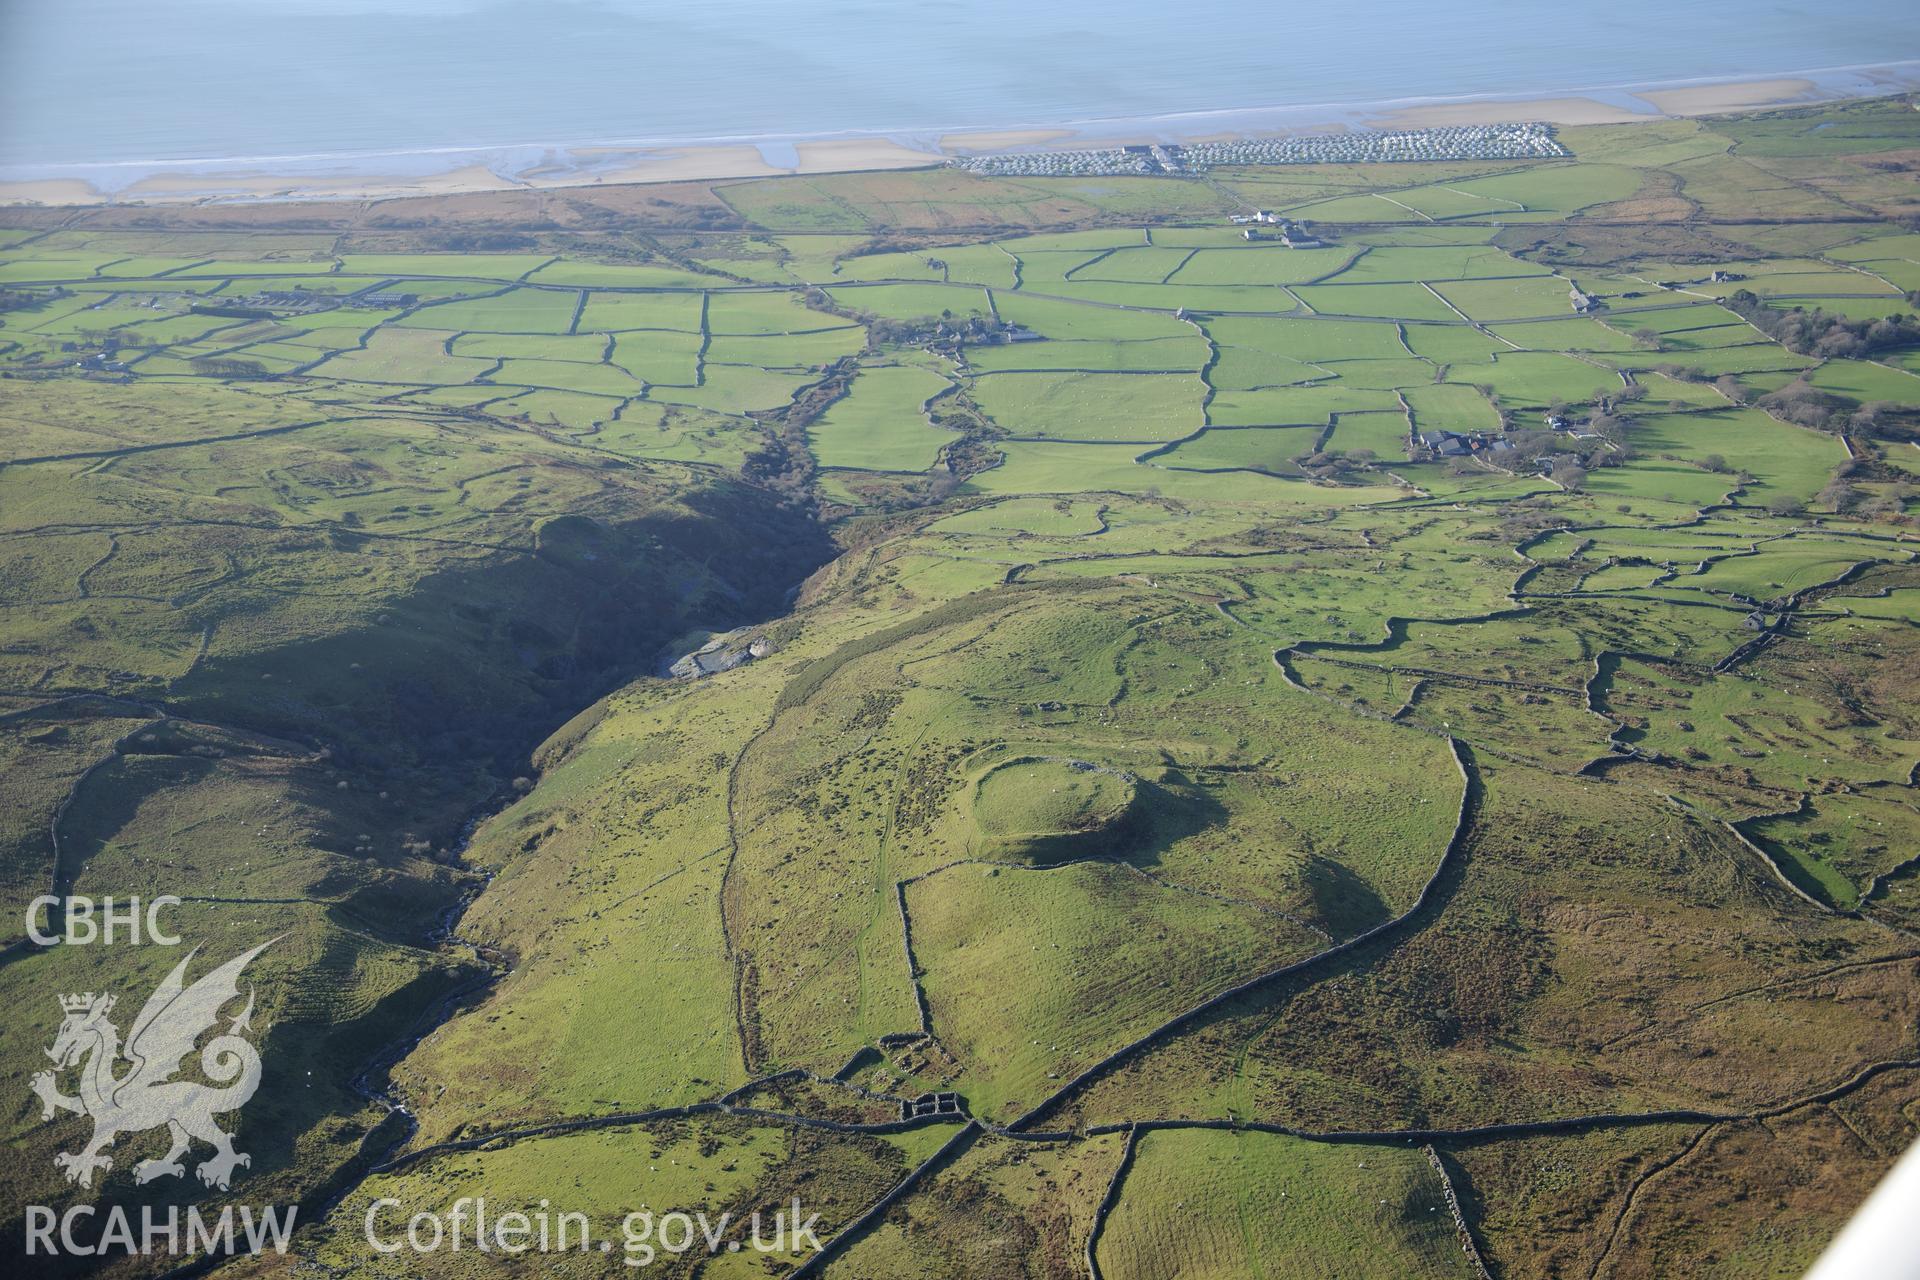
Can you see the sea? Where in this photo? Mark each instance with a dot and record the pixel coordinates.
(115, 90)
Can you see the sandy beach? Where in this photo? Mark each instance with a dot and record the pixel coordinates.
(609, 164)
(1439, 115)
(861, 153)
(1686, 100)
(603, 165)
(177, 187)
(988, 141)
(1713, 99)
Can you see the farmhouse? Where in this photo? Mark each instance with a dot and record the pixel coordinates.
(1446, 443)
(1295, 236)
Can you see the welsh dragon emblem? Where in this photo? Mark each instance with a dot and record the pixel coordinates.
(146, 1095)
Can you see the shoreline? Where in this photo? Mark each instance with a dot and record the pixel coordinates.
(453, 170)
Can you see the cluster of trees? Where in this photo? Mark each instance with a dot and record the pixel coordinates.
(1337, 464)
(1845, 495)
(227, 367)
(482, 241)
(1821, 333)
(1803, 403)
(22, 299)
(1531, 448)
(942, 328)
(1523, 519)
(111, 341)
(1605, 401)
(783, 462)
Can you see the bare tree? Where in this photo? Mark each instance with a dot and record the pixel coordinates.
(1570, 476)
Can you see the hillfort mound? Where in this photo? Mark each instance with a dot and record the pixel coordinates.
(1044, 809)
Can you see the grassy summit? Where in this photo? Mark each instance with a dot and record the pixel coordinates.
(1048, 810)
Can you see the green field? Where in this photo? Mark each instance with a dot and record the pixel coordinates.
(1385, 301)
(515, 311)
(1091, 406)
(882, 425)
(1535, 378)
(1261, 1204)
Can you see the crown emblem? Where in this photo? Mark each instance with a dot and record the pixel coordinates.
(77, 1004)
